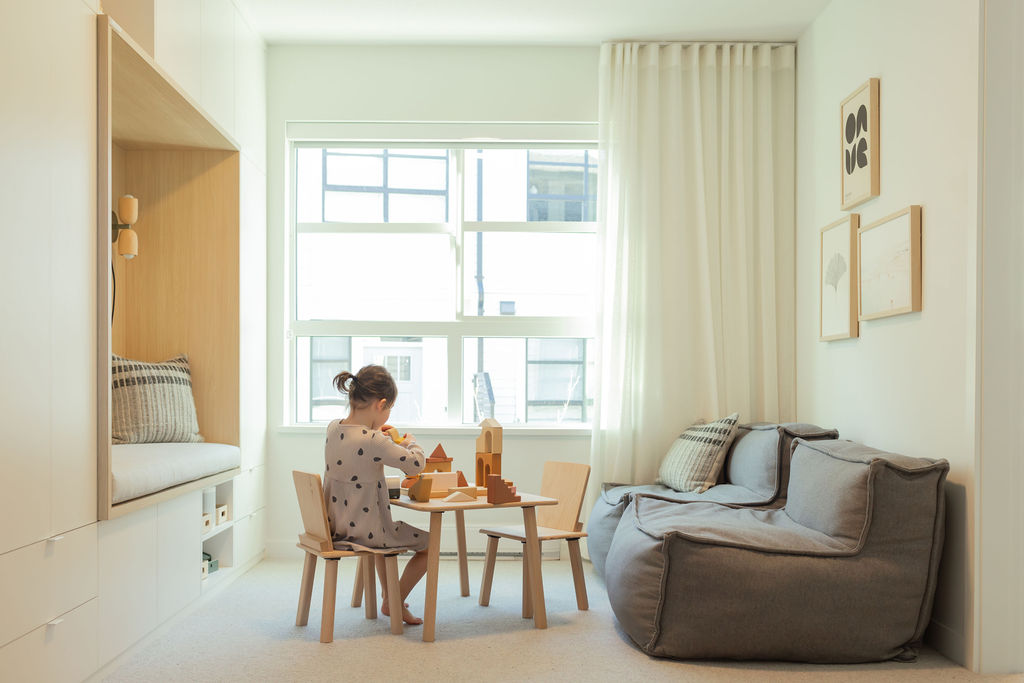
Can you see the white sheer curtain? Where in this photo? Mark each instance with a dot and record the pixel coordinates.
(696, 209)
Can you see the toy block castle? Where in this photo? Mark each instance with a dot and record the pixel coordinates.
(488, 451)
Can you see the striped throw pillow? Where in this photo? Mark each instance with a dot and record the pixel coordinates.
(152, 402)
(695, 460)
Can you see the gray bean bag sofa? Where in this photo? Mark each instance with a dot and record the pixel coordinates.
(755, 474)
(844, 573)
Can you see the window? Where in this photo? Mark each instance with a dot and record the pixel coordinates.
(468, 272)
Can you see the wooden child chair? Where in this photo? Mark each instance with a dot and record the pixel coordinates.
(316, 542)
(567, 482)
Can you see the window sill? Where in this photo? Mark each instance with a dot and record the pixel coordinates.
(458, 430)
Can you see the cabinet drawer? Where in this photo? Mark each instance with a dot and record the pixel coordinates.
(64, 650)
(44, 580)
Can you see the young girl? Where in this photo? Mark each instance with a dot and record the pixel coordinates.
(357, 495)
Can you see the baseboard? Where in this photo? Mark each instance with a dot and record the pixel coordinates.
(111, 666)
(948, 642)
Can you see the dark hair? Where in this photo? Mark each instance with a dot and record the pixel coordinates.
(370, 384)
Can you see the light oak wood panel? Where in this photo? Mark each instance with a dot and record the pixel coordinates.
(181, 293)
(104, 173)
(150, 110)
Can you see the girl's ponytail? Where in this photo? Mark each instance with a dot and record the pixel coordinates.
(372, 383)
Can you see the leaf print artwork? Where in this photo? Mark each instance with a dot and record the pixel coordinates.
(836, 270)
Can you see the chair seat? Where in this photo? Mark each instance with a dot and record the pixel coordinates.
(518, 533)
(355, 552)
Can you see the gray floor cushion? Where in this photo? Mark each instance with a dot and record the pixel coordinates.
(845, 572)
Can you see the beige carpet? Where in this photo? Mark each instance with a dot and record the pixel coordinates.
(247, 632)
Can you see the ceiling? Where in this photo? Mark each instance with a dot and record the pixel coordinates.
(528, 22)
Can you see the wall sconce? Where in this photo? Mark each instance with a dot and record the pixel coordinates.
(121, 231)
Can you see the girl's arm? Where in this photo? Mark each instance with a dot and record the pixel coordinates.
(407, 457)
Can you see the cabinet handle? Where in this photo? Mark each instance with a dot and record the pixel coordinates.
(55, 622)
(54, 539)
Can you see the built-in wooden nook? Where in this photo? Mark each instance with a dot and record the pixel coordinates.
(181, 293)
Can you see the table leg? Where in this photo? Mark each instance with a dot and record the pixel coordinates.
(460, 528)
(433, 555)
(527, 591)
(540, 615)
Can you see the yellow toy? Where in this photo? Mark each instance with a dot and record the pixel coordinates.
(393, 433)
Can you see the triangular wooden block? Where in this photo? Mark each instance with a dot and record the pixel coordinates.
(462, 478)
(439, 454)
(460, 497)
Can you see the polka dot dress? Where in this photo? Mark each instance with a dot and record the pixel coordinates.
(357, 495)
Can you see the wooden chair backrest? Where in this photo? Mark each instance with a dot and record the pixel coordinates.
(566, 481)
(310, 492)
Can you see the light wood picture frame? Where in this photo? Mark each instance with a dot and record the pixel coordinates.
(889, 258)
(837, 283)
(860, 144)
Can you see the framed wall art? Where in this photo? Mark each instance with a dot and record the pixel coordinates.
(837, 286)
(889, 255)
(860, 145)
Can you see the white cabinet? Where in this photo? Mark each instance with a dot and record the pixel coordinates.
(47, 460)
(128, 587)
(178, 555)
(250, 94)
(41, 581)
(62, 650)
(217, 93)
(177, 43)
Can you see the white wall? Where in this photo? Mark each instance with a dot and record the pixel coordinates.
(908, 383)
(404, 83)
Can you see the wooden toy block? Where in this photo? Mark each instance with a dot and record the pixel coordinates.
(498, 491)
(207, 522)
(489, 440)
(459, 497)
(486, 465)
(409, 481)
(420, 491)
(462, 478)
(438, 461)
(393, 433)
(437, 466)
(222, 514)
(441, 482)
(468, 490)
(439, 454)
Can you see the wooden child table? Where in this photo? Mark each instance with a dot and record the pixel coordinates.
(437, 507)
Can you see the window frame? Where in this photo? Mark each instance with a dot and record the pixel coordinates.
(461, 325)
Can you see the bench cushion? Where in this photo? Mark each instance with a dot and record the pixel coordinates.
(143, 468)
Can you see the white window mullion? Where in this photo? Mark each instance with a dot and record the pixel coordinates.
(531, 226)
(455, 351)
(375, 228)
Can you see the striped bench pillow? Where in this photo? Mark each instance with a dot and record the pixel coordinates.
(696, 458)
(152, 402)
